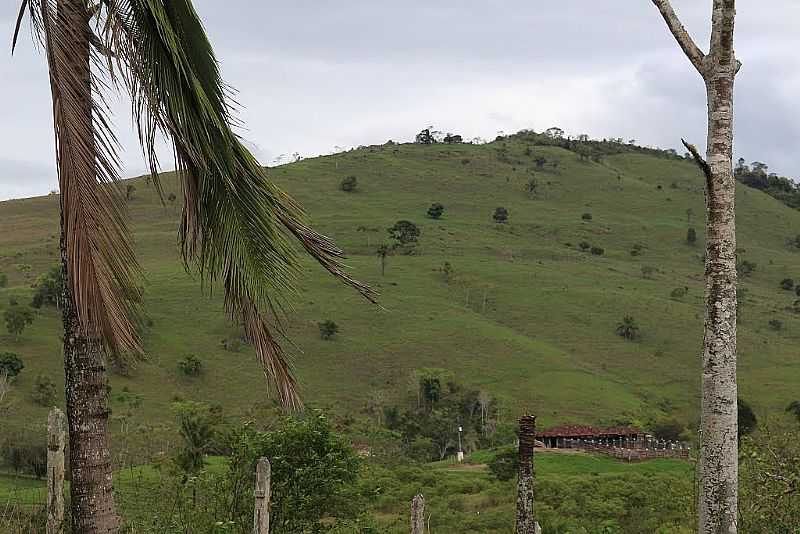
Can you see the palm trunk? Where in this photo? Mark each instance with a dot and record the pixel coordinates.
(718, 463)
(92, 499)
(526, 523)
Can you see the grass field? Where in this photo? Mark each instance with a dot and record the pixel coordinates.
(526, 314)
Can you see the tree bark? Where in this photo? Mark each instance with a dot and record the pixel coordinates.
(526, 523)
(718, 463)
(91, 490)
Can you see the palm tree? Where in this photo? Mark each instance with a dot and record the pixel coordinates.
(382, 252)
(236, 227)
(628, 328)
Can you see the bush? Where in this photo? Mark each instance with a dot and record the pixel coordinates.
(637, 250)
(691, 236)
(787, 284)
(776, 324)
(668, 429)
(745, 267)
(25, 457)
(628, 328)
(191, 365)
(435, 211)
(648, 271)
(10, 364)
(500, 215)
(679, 292)
(504, 465)
(349, 184)
(404, 232)
(584, 245)
(746, 417)
(328, 329)
(44, 391)
(17, 319)
(3, 279)
(49, 288)
(586, 216)
(597, 251)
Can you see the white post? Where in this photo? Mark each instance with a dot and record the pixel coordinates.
(418, 514)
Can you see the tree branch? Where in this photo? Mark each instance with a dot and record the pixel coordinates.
(698, 159)
(692, 51)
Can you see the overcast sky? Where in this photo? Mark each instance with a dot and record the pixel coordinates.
(314, 75)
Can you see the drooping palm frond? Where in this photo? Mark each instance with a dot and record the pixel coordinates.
(236, 225)
(101, 267)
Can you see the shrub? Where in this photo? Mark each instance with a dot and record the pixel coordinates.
(597, 251)
(17, 319)
(679, 292)
(746, 417)
(25, 457)
(787, 284)
(584, 245)
(3, 279)
(404, 232)
(44, 391)
(776, 324)
(745, 267)
(648, 271)
(504, 465)
(797, 290)
(130, 189)
(435, 211)
(328, 329)
(586, 216)
(172, 197)
(10, 364)
(191, 365)
(500, 215)
(349, 184)
(628, 328)
(668, 429)
(691, 236)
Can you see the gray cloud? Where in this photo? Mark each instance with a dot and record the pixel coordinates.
(316, 74)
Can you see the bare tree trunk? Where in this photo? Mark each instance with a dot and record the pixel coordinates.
(55, 472)
(91, 491)
(718, 465)
(418, 514)
(262, 495)
(526, 523)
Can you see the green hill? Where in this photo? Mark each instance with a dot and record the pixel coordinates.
(525, 314)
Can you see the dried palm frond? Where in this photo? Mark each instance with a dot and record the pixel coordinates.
(102, 271)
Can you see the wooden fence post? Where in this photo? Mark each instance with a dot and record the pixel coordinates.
(55, 471)
(262, 495)
(418, 514)
(526, 523)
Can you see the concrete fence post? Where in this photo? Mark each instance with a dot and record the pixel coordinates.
(55, 471)
(262, 496)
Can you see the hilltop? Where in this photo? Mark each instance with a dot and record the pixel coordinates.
(524, 312)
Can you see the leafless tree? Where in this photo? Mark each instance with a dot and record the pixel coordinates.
(718, 468)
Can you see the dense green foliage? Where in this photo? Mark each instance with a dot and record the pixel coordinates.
(10, 364)
(49, 288)
(17, 319)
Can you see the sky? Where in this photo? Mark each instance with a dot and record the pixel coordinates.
(316, 76)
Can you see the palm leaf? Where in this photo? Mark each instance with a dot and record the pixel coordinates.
(236, 226)
(101, 268)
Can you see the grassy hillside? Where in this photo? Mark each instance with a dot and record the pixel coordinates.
(526, 315)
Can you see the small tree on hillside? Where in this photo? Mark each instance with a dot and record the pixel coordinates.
(382, 252)
(349, 184)
(10, 364)
(628, 328)
(531, 186)
(404, 233)
(17, 319)
(3, 279)
(191, 365)
(130, 189)
(425, 137)
(787, 284)
(436, 210)
(747, 419)
(691, 236)
(328, 329)
(44, 391)
(500, 215)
